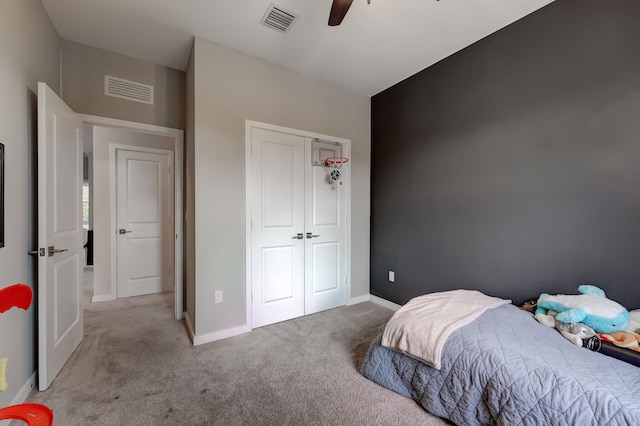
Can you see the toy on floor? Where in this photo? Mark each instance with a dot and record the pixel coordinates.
(591, 308)
(623, 339)
(20, 295)
(31, 414)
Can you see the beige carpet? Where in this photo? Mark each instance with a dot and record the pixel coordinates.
(136, 366)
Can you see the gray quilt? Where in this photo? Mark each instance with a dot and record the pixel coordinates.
(505, 368)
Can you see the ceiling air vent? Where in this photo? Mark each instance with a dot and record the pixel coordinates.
(127, 89)
(278, 18)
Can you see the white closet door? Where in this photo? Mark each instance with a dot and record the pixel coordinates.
(298, 230)
(325, 238)
(277, 182)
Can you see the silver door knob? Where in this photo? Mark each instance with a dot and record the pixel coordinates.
(310, 235)
(123, 231)
(39, 252)
(298, 237)
(52, 250)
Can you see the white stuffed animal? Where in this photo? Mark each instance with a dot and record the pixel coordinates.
(634, 321)
(590, 307)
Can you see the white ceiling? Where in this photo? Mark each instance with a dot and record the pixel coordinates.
(377, 45)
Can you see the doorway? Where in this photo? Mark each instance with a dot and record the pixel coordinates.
(106, 136)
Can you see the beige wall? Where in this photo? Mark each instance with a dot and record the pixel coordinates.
(83, 71)
(29, 52)
(190, 229)
(103, 137)
(230, 87)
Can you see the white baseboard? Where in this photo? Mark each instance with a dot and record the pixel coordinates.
(384, 302)
(103, 298)
(358, 299)
(21, 397)
(24, 392)
(219, 335)
(216, 335)
(230, 332)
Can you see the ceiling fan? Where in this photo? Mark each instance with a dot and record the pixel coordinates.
(339, 9)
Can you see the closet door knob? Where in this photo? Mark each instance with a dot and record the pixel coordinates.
(310, 235)
(298, 237)
(51, 250)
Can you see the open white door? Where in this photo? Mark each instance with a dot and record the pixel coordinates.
(60, 327)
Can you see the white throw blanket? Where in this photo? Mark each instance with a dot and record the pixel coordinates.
(421, 327)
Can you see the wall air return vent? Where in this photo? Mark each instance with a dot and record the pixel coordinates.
(278, 18)
(127, 89)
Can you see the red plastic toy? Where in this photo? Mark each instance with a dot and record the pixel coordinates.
(32, 414)
(18, 295)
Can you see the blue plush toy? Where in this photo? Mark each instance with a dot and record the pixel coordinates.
(591, 307)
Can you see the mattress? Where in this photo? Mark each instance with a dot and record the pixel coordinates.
(505, 368)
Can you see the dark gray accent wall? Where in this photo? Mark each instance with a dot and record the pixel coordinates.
(513, 166)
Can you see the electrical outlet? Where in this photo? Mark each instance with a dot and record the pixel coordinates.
(392, 276)
(218, 297)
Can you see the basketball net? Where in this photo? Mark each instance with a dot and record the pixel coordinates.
(335, 164)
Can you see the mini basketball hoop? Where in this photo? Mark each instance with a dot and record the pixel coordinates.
(335, 164)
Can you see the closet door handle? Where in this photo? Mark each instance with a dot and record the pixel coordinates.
(298, 237)
(310, 235)
(51, 250)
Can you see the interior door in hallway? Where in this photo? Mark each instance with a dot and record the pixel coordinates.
(144, 226)
(60, 253)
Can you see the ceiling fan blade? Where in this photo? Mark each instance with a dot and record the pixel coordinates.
(339, 9)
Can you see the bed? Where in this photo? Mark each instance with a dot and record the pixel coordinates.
(504, 368)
